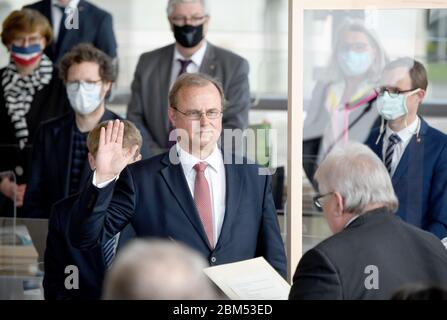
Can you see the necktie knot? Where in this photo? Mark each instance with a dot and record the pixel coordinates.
(183, 65)
(394, 139)
(200, 166)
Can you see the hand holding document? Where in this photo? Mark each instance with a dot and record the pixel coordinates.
(253, 279)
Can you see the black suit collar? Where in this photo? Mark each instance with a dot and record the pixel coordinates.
(372, 215)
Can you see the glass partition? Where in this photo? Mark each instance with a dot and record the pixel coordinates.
(337, 56)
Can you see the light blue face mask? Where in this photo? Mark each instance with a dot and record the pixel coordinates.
(84, 98)
(354, 63)
(392, 108)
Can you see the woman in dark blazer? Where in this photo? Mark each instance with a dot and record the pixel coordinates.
(30, 92)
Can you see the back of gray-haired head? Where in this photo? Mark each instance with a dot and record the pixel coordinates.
(158, 270)
(173, 3)
(359, 176)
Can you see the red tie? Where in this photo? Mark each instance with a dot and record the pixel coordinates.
(203, 201)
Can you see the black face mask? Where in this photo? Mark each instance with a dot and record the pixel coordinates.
(188, 36)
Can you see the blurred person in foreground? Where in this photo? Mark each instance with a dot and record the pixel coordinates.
(158, 270)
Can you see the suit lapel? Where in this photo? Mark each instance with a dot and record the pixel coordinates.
(48, 12)
(209, 64)
(377, 147)
(164, 77)
(176, 181)
(413, 151)
(233, 192)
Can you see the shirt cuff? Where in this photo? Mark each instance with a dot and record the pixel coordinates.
(103, 184)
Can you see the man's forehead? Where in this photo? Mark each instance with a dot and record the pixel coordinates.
(200, 93)
(188, 8)
(393, 77)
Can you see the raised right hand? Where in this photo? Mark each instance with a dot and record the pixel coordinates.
(111, 157)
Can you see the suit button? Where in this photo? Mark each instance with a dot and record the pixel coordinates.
(213, 259)
(19, 170)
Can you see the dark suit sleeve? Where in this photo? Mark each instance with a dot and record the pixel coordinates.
(101, 213)
(438, 198)
(270, 244)
(316, 279)
(55, 260)
(35, 195)
(105, 39)
(237, 96)
(135, 109)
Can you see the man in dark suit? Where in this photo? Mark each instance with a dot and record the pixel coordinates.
(59, 157)
(373, 253)
(75, 22)
(414, 153)
(157, 70)
(60, 253)
(193, 194)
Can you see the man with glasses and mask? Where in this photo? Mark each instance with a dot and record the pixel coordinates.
(59, 156)
(195, 193)
(372, 253)
(414, 153)
(192, 53)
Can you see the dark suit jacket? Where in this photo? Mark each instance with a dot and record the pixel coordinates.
(154, 196)
(420, 180)
(51, 165)
(59, 254)
(49, 102)
(95, 27)
(404, 255)
(150, 87)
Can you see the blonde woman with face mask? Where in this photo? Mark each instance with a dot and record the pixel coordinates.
(341, 108)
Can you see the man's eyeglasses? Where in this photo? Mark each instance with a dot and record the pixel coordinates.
(393, 92)
(86, 85)
(182, 20)
(197, 115)
(317, 200)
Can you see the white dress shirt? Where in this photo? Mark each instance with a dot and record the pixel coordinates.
(56, 16)
(405, 136)
(214, 174)
(193, 67)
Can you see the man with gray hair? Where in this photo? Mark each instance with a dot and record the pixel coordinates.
(373, 252)
(157, 71)
(158, 270)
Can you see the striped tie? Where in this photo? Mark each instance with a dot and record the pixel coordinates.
(392, 141)
(110, 250)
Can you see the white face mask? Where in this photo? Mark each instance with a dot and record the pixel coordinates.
(84, 97)
(392, 108)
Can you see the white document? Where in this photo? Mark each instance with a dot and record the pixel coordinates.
(253, 279)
